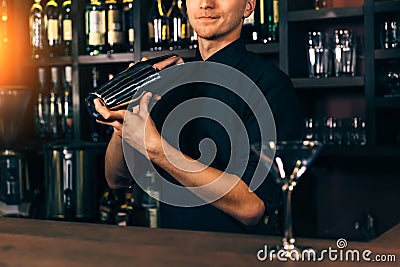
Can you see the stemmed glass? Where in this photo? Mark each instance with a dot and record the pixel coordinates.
(292, 159)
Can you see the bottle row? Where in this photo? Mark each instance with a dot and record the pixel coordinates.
(262, 26)
(50, 29)
(53, 110)
(110, 27)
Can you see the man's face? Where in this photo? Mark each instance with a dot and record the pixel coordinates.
(213, 19)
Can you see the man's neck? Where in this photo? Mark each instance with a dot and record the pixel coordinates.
(207, 48)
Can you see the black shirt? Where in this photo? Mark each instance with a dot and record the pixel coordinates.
(277, 89)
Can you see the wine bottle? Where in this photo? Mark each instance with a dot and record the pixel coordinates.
(41, 111)
(178, 26)
(55, 110)
(158, 26)
(128, 24)
(95, 20)
(66, 23)
(52, 18)
(67, 104)
(114, 27)
(36, 23)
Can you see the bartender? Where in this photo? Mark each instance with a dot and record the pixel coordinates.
(218, 24)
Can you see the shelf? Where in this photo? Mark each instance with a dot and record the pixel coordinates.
(387, 6)
(387, 102)
(49, 62)
(330, 82)
(269, 48)
(106, 58)
(387, 53)
(361, 151)
(326, 13)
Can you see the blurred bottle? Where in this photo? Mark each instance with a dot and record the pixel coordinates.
(193, 42)
(95, 21)
(36, 25)
(128, 24)
(107, 208)
(269, 20)
(3, 22)
(150, 200)
(178, 26)
(115, 37)
(68, 105)
(66, 24)
(94, 128)
(55, 103)
(42, 106)
(51, 19)
(250, 27)
(158, 26)
(125, 215)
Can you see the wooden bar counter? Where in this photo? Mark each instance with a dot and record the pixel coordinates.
(27, 242)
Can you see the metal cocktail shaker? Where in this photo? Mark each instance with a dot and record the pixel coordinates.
(124, 88)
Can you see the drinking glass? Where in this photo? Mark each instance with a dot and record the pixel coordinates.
(390, 34)
(344, 53)
(317, 55)
(292, 159)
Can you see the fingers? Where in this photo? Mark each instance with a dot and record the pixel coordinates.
(144, 104)
(167, 62)
(106, 113)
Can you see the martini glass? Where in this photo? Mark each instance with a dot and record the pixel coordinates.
(292, 159)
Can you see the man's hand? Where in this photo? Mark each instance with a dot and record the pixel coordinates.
(139, 130)
(115, 117)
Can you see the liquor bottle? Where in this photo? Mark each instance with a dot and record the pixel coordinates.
(114, 27)
(41, 111)
(250, 28)
(128, 24)
(36, 23)
(66, 23)
(158, 26)
(178, 26)
(55, 105)
(107, 207)
(67, 104)
(51, 19)
(95, 21)
(269, 20)
(150, 200)
(124, 215)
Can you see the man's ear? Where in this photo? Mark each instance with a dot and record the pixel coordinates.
(250, 6)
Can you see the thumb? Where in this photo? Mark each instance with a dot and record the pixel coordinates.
(144, 103)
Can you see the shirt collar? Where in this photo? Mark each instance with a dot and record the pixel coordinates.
(230, 55)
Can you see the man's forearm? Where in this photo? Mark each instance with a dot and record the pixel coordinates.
(237, 200)
(116, 171)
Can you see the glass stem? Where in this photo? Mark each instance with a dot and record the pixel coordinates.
(288, 239)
